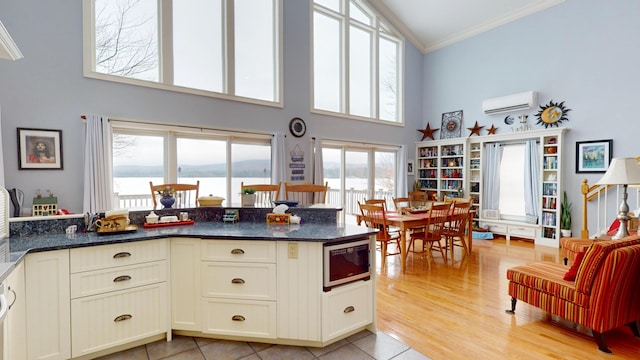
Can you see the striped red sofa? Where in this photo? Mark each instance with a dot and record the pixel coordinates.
(605, 294)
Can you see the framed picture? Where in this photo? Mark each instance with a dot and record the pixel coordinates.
(39, 149)
(593, 156)
(410, 168)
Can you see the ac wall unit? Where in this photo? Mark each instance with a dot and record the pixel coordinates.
(522, 101)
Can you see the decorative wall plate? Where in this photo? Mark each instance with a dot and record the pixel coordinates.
(297, 127)
(552, 114)
(451, 125)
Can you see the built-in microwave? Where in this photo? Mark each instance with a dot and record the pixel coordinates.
(346, 262)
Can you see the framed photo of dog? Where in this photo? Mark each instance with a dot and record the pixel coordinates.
(39, 149)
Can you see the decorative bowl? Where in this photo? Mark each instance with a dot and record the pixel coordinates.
(210, 200)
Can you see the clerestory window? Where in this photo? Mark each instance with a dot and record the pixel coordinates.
(206, 47)
(357, 62)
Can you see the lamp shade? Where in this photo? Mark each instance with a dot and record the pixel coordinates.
(622, 171)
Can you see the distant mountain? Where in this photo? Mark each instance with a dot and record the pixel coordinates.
(248, 168)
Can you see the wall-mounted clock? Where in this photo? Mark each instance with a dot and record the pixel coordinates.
(297, 127)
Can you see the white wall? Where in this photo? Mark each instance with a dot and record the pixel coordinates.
(46, 90)
(584, 52)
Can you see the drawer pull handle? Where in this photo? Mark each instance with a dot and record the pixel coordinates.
(238, 318)
(122, 278)
(237, 281)
(349, 309)
(237, 251)
(122, 255)
(123, 317)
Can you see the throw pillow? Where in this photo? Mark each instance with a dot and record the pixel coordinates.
(573, 270)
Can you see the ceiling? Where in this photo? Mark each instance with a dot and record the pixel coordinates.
(433, 24)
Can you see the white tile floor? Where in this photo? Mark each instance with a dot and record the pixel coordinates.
(364, 345)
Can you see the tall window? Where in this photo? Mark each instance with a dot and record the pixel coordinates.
(188, 45)
(512, 182)
(174, 155)
(357, 61)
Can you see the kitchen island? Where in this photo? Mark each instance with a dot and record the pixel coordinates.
(91, 294)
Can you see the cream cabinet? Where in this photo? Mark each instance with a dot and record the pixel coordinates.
(346, 308)
(238, 283)
(15, 346)
(269, 290)
(48, 305)
(119, 294)
(185, 284)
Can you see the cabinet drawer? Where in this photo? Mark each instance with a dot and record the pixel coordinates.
(522, 231)
(104, 321)
(346, 308)
(255, 281)
(105, 256)
(239, 250)
(119, 278)
(498, 228)
(239, 317)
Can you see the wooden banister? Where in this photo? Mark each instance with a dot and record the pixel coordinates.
(589, 193)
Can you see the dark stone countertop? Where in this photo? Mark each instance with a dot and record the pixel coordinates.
(205, 230)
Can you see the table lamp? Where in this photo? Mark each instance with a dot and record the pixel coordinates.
(622, 171)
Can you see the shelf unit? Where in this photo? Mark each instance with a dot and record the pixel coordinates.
(550, 206)
(445, 166)
(441, 166)
(475, 178)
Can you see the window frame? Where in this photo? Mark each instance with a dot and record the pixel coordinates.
(164, 33)
(381, 28)
(171, 133)
(370, 149)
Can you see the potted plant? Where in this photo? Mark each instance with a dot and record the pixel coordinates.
(166, 197)
(248, 196)
(565, 216)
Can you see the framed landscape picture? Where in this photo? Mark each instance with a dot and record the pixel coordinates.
(39, 149)
(593, 156)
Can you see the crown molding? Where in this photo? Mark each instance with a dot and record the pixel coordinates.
(8, 48)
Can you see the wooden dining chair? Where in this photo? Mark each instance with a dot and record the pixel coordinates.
(375, 217)
(186, 195)
(266, 194)
(419, 199)
(434, 232)
(379, 202)
(456, 227)
(306, 194)
(401, 203)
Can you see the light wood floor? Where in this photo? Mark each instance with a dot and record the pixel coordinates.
(456, 311)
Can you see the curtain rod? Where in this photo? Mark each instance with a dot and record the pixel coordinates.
(201, 128)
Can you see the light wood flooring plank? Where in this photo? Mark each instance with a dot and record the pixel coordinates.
(456, 311)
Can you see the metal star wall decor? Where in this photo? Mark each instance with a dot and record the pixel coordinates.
(475, 129)
(428, 132)
(492, 130)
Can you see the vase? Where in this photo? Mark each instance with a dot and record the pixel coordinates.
(167, 201)
(248, 200)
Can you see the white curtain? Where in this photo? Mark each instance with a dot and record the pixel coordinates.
(98, 172)
(402, 183)
(491, 177)
(2, 160)
(318, 163)
(531, 179)
(278, 160)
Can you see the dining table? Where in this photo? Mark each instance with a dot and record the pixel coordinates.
(409, 219)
